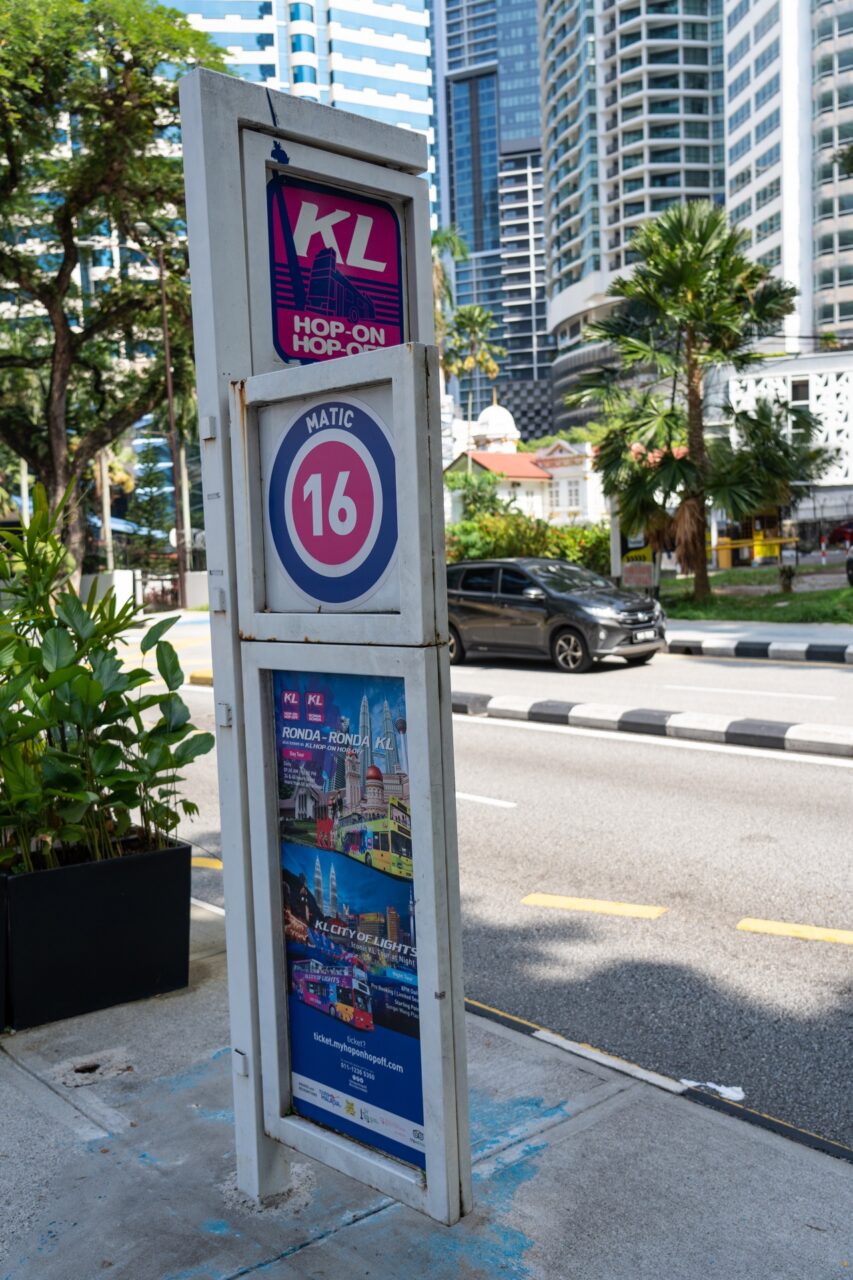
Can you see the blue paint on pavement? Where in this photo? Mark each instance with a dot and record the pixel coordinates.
(495, 1121)
(217, 1227)
(225, 1116)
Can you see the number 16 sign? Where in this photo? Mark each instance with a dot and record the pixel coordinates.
(332, 502)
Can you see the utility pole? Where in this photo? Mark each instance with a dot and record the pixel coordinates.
(173, 440)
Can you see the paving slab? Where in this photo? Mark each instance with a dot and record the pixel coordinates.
(580, 1170)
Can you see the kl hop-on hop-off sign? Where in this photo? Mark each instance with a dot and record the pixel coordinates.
(335, 271)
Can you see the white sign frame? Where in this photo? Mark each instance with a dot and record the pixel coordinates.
(218, 113)
(433, 808)
(411, 373)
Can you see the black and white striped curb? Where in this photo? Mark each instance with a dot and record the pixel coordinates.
(781, 650)
(780, 735)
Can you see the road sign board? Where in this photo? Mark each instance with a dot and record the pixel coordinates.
(335, 271)
(332, 502)
(638, 573)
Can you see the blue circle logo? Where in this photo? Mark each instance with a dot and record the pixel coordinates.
(332, 503)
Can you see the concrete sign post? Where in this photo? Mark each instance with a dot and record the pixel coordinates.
(318, 400)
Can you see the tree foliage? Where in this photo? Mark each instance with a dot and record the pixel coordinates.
(447, 242)
(468, 349)
(694, 301)
(479, 490)
(150, 508)
(88, 177)
(488, 535)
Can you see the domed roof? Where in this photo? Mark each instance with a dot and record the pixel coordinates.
(497, 423)
(373, 774)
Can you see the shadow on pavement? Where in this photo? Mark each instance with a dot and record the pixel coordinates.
(669, 1018)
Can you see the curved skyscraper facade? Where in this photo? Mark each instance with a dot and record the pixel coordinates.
(633, 116)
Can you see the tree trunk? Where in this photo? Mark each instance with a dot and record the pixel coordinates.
(696, 499)
(75, 535)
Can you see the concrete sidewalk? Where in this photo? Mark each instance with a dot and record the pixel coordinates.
(126, 1169)
(782, 641)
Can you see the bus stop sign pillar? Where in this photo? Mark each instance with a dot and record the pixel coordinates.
(321, 463)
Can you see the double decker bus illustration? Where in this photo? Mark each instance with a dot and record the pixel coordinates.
(384, 842)
(341, 991)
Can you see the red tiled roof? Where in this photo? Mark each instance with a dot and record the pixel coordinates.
(515, 466)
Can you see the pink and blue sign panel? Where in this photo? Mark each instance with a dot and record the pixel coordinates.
(335, 271)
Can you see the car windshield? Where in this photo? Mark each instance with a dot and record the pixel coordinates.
(562, 576)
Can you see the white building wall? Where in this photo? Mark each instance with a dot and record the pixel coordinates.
(821, 382)
(767, 50)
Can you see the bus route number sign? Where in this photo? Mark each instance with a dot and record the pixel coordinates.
(332, 503)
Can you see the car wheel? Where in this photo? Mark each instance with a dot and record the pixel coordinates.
(455, 651)
(368, 861)
(570, 652)
(640, 660)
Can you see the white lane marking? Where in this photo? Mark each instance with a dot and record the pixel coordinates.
(208, 906)
(499, 804)
(752, 693)
(653, 740)
(732, 1092)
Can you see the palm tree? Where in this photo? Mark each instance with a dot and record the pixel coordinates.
(467, 348)
(446, 242)
(694, 300)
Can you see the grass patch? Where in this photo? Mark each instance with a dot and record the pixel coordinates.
(805, 606)
(767, 576)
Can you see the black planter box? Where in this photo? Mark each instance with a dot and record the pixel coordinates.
(99, 934)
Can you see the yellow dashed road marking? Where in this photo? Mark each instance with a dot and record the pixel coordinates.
(598, 905)
(810, 932)
(213, 864)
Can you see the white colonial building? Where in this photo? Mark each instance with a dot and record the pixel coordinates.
(822, 383)
(556, 483)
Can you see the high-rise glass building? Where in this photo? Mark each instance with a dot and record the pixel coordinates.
(364, 56)
(789, 100)
(492, 187)
(633, 115)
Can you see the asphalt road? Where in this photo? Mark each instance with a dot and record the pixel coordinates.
(796, 692)
(712, 835)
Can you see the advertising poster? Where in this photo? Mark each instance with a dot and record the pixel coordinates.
(335, 271)
(349, 913)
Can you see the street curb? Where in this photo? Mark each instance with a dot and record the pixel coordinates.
(690, 1093)
(775, 650)
(204, 678)
(774, 735)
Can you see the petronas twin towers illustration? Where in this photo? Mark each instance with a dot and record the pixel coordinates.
(389, 736)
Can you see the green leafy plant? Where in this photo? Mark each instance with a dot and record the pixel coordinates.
(90, 766)
(479, 492)
(489, 535)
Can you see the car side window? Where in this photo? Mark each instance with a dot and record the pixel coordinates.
(454, 577)
(480, 581)
(514, 582)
